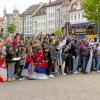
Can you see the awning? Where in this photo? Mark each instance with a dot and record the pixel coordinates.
(83, 25)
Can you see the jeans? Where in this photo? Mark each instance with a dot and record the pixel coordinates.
(75, 63)
(57, 65)
(68, 64)
(98, 63)
(11, 69)
(84, 62)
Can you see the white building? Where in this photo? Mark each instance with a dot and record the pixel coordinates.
(53, 16)
(49, 17)
(76, 13)
(39, 20)
(20, 24)
(27, 19)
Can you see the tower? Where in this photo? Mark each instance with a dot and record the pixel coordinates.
(4, 12)
(15, 11)
(49, 1)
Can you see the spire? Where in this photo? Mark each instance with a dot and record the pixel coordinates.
(49, 1)
(4, 11)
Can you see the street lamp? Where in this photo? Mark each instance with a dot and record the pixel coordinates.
(23, 19)
(59, 15)
(35, 26)
(67, 24)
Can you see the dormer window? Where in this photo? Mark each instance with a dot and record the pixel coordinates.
(74, 6)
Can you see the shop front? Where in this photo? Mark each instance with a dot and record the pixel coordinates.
(83, 30)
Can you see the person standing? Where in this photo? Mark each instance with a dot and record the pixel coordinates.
(10, 63)
(52, 58)
(76, 52)
(98, 57)
(85, 53)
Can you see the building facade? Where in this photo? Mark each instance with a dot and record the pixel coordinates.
(26, 19)
(81, 27)
(76, 13)
(39, 20)
(50, 16)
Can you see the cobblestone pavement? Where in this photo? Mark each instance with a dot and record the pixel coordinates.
(74, 87)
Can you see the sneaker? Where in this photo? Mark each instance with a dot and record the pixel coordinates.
(13, 78)
(21, 79)
(76, 72)
(9, 80)
(51, 76)
(98, 71)
(64, 74)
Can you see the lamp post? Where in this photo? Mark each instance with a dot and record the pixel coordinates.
(59, 16)
(23, 19)
(67, 25)
(35, 27)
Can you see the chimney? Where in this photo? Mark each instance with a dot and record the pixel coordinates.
(49, 1)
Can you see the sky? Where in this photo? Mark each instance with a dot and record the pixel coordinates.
(21, 5)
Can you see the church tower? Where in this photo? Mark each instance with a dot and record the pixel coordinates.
(4, 12)
(15, 12)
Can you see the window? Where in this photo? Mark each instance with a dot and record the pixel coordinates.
(53, 14)
(27, 17)
(43, 12)
(25, 23)
(28, 23)
(82, 15)
(75, 16)
(74, 6)
(27, 28)
(71, 16)
(78, 15)
(49, 14)
(30, 28)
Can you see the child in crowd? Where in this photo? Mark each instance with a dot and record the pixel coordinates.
(57, 62)
(28, 65)
(40, 63)
(22, 55)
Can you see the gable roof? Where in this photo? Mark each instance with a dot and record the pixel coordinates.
(39, 7)
(30, 10)
(41, 10)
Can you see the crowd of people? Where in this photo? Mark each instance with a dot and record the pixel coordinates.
(46, 57)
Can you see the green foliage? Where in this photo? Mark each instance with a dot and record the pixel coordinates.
(91, 10)
(58, 32)
(11, 28)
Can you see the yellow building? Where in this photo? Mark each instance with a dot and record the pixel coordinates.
(16, 20)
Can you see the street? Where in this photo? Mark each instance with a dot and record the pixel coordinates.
(73, 87)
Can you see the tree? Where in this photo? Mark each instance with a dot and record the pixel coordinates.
(91, 10)
(58, 32)
(11, 28)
